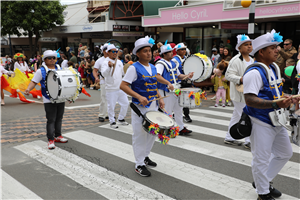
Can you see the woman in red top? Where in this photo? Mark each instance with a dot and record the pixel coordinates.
(81, 71)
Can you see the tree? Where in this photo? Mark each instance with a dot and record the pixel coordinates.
(30, 18)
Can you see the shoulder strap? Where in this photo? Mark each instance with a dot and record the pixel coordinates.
(164, 64)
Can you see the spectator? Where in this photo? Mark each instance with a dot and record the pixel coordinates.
(81, 71)
(215, 57)
(127, 58)
(90, 53)
(64, 63)
(287, 52)
(89, 74)
(71, 64)
(79, 49)
(227, 54)
(97, 53)
(73, 58)
(220, 85)
(159, 45)
(68, 53)
(287, 82)
(156, 56)
(128, 63)
(221, 50)
(76, 65)
(81, 53)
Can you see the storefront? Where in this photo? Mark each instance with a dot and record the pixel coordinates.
(211, 24)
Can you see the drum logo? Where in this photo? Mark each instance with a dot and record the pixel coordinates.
(70, 80)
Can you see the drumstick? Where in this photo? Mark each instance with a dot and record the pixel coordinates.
(156, 99)
(295, 96)
(164, 110)
(186, 76)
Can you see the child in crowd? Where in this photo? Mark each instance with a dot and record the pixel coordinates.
(220, 83)
(286, 78)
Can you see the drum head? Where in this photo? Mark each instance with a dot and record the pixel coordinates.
(52, 85)
(159, 118)
(193, 64)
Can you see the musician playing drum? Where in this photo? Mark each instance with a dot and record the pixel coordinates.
(234, 74)
(54, 111)
(166, 73)
(142, 78)
(180, 57)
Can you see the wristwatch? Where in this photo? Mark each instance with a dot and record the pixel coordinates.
(274, 105)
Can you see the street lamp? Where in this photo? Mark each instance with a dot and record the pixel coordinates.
(246, 4)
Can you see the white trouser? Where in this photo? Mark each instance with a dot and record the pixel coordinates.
(112, 98)
(271, 149)
(172, 105)
(236, 116)
(142, 142)
(103, 103)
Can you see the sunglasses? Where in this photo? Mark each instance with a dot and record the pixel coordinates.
(114, 51)
(50, 58)
(287, 44)
(182, 49)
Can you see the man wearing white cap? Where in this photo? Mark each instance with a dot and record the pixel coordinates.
(97, 69)
(179, 58)
(112, 71)
(54, 111)
(270, 145)
(142, 78)
(234, 74)
(166, 68)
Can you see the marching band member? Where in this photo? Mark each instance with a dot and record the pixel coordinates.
(2, 71)
(166, 68)
(20, 63)
(142, 78)
(234, 74)
(270, 145)
(54, 111)
(97, 68)
(180, 57)
(113, 73)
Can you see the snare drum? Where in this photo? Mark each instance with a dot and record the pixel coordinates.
(190, 98)
(164, 122)
(63, 85)
(201, 66)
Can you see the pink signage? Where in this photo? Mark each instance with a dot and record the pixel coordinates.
(215, 12)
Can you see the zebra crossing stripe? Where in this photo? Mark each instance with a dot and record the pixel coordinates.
(223, 108)
(13, 189)
(94, 177)
(211, 112)
(218, 183)
(291, 169)
(210, 120)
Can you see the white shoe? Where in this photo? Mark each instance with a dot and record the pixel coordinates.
(51, 144)
(216, 105)
(114, 125)
(213, 98)
(123, 122)
(229, 103)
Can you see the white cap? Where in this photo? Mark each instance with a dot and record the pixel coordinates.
(266, 40)
(49, 53)
(104, 46)
(242, 39)
(143, 42)
(97, 46)
(165, 48)
(180, 46)
(110, 47)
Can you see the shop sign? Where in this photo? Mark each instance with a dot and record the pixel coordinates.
(49, 39)
(87, 28)
(96, 35)
(121, 28)
(128, 34)
(225, 25)
(23, 47)
(137, 28)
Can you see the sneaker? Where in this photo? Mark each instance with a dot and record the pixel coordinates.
(61, 139)
(91, 88)
(229, 103)
(187, 119)
(247, 145)
(114, 125)
(223, 105)
(185, 131)
(234, 142)
(101, 119)
(273, 191)
(51, 144)
(149, 163)
(142, 170)
(213, 98)
(123, 122)
(265, 197)
(107, 117)
(216, 105)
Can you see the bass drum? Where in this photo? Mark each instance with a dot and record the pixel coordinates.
(199, 64)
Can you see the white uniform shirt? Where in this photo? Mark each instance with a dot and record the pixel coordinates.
(131, 74)
(253, 83)
(21, 66)
(112, 83)
(97, 65)
(160, 67)
(2, 70)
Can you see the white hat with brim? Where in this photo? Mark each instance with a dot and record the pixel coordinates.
(49, 53)
(266, 40)
(110, 47)
(104, 47)
(143, 42)
(241, 40)
(180, 46)
(165, 48)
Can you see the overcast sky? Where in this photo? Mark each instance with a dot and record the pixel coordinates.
(68, 2)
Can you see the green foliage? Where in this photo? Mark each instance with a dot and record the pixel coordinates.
(30, 16)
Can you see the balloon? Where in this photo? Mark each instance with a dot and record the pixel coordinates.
(246, 3)
(288, 71)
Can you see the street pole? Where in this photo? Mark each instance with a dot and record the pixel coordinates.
(251, 24)
(10, 48)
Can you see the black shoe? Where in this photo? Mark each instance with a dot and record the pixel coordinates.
(107, 117)
(273, 191)
(142, 170)
(265, 197)
(101, 119)
(187, 119)
(185, 131)
(149, 163)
